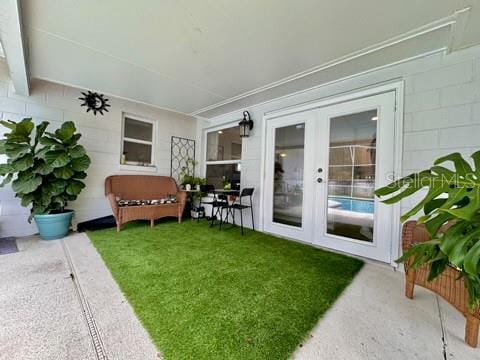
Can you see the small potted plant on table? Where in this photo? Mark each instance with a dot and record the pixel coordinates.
(187, 177)
(197, 210)
(45, 171)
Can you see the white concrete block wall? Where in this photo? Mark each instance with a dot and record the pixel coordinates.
(101, 137)
(441, 111)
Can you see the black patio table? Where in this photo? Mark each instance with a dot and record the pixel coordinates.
(224, 193)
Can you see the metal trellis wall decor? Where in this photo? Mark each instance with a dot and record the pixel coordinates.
(182, 150)
(95, 102)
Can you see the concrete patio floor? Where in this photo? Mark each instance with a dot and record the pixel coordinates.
(48, 314)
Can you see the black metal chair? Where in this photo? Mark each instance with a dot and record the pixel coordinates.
(216, 203)
(246, 192)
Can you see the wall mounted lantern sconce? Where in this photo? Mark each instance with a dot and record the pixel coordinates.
(245, 125)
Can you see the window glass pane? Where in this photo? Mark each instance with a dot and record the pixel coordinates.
(225, 144)
(217, 174)
(135, 153)
(288, 177)
(139, 130)
(351, 175)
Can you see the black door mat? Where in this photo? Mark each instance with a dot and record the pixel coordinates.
(8, 245)
(105, 222)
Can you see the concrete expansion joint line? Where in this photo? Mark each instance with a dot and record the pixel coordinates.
(97, 343)
(442, 328)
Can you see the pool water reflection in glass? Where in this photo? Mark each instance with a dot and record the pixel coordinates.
(351, 175)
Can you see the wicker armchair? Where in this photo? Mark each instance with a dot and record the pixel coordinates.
(448, 285)
(143, 187)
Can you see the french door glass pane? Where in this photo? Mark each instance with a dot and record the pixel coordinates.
(288, 176)
(351, 173)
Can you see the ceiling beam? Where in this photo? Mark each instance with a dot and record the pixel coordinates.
(11, 36)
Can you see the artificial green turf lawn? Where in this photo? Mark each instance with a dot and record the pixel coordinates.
(202, 293)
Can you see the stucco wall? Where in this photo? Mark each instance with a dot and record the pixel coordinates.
(101, 138)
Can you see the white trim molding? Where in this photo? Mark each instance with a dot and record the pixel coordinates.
(11, 33)
(456, 23)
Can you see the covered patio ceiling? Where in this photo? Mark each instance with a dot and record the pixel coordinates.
(210, 57)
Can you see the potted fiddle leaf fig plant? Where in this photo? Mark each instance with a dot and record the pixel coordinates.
(452, 197)
(45, 170)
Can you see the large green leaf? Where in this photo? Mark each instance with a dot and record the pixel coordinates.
(23, 163)
(64, 172)
(45, 197)
(5, 169)
(476, 161)
(454, 242)
(77, 151)
(14, 150)
(75, 139)
(8, 124)
(81, 163)
(75, 187)
(25, 127)
(57, 158)
(80, 175)
(48, 141)
(3, 142)
(42, 168)
(27, 183)
(66, 131)
(55, 187)
(42, 152)
(20, 132)
(27, 199)
(472, 260)
(40, 130)
(462, 167)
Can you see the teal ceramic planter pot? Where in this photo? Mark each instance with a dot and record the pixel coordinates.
(53, 226)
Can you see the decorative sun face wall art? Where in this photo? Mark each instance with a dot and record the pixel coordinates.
(94, 102)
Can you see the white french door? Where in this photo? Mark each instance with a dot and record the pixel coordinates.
(322, 167)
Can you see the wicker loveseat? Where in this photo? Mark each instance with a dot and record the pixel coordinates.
(448, 285)
(144, 187)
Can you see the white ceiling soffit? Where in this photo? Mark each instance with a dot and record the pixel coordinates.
(210, 57)
(12, 45)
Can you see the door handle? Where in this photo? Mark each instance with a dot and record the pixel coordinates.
(319, 180)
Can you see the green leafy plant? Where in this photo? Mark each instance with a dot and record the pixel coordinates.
(187, 172)
(452, 196)
(198, 194)
(226, 183)
(199, 181)
(45, 169)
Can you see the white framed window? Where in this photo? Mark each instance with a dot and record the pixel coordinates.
(138, 141)
(223, 156)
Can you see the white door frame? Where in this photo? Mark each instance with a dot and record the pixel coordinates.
(398, 88)
(380, 247)
(303, 233)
